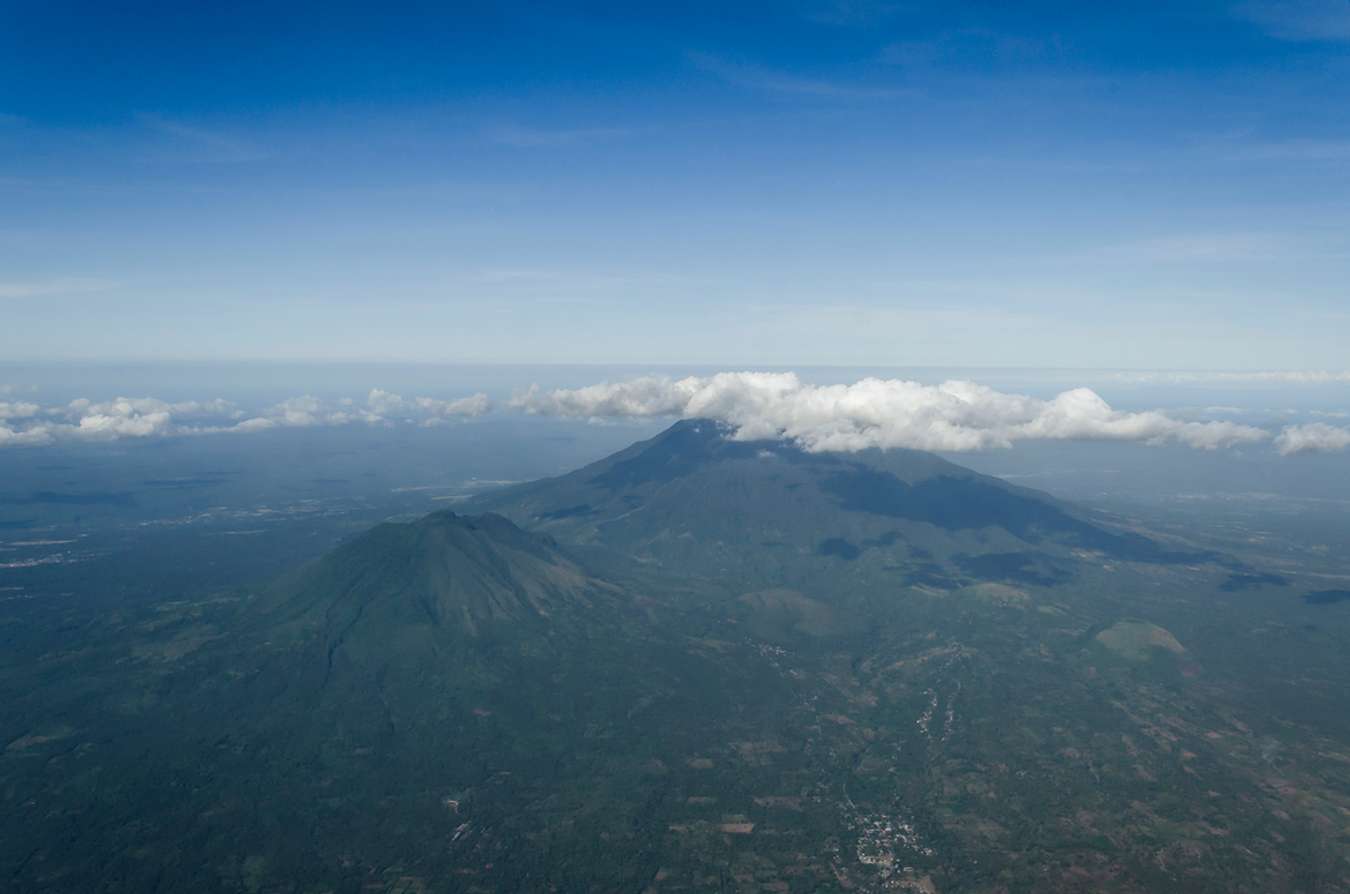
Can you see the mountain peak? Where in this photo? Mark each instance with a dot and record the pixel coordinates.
(768, 510)
(456, 575)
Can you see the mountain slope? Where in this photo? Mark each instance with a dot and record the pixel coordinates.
(452, 699)
(445, 572)
(788, 692)
(692, 499)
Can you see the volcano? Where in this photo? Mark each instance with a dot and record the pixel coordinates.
(696, 499)
(701, 663)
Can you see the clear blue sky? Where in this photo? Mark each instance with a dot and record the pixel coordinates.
(1045, 184)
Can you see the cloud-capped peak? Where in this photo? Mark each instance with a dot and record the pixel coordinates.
(882, 413)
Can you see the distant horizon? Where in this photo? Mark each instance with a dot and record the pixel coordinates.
(1254, 370)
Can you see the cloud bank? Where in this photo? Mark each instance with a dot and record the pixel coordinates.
(26, 424)
(1317, 437)
(881, 413)
(954, 416)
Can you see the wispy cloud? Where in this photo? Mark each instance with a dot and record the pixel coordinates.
(1200, 247)
(525, 137)
(51, 288)
(965, 45)
(1273, 376)
(1294, 150)
(756, 77)
(1311, 20)
(567, 280)
(203, 144)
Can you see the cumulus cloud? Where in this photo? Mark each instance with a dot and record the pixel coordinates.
(882, 413)
(300, 412)
(256, 423)
(29, 424)
(18, 409)
(379, 408)
(473, 405)
(26, 437)
(1316, 437)
(131, 407)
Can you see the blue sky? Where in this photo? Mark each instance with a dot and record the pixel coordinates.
(1039, 184)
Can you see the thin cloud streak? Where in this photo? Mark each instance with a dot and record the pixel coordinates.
(1274, 376)
(51, 288)
(755, 77)
(1300, 20)
(205, 145)
(1294, 150)
(522, 137)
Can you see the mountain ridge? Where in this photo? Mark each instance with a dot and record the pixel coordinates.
(693, 497)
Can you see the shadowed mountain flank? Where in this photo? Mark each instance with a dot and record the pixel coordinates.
(771, 512)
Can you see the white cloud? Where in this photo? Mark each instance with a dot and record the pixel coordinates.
(882, 413)
(29, 437)
(127, 407)
(104, 426)
(29, 424)
(1316, 437)
(18, 409)
(299, 412)
(385, 403)
(473, 405)
(380, 408)
(257, 423)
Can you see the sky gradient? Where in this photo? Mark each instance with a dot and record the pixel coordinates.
(1160, 186)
